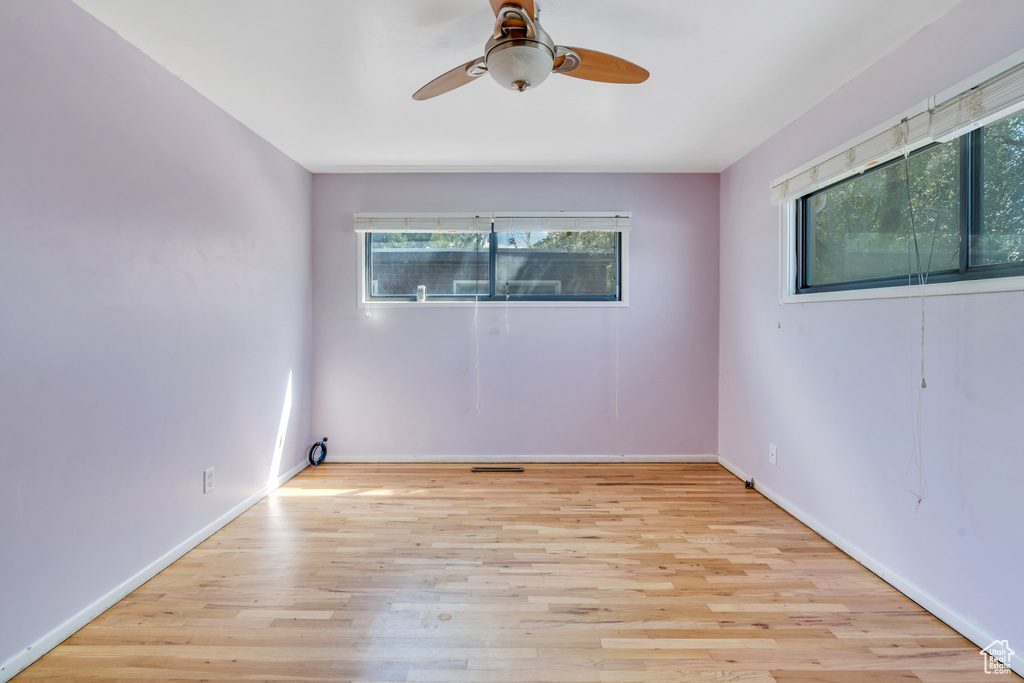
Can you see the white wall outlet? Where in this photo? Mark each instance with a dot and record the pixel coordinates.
(207, 480)
(773, 454)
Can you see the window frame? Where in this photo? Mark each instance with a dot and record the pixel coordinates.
(492, 297)
(971, 183)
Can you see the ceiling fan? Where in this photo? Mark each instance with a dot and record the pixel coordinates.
(520, 55)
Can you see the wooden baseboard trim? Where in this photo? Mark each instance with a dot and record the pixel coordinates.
(26, 657)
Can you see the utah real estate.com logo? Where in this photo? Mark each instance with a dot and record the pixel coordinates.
(997, 657)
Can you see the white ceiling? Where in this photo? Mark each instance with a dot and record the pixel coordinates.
(330, 82)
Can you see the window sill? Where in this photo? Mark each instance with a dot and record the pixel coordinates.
(494, 304)
(982, 286)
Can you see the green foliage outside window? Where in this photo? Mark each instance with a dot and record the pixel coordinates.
(903, 220)
(1001, 238)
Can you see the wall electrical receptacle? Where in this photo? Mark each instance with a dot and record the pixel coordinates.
(207, 480)
(773, 454)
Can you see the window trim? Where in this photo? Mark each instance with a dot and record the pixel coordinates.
(362, 301)
(787, 280)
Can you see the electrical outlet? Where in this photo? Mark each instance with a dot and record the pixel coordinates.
(773, 454)
(208, 480)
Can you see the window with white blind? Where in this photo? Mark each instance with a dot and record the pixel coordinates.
(939, 197)
(948, 212)
(499, 257)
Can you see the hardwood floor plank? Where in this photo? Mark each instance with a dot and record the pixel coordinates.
(687, 677)
(688, 643)
(563, 573)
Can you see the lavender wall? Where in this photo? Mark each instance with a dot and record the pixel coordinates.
(831, 383)
(402, 382)
(155, 296)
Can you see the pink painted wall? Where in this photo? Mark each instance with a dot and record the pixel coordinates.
(831, 383)
(155, 295)
(402, 382)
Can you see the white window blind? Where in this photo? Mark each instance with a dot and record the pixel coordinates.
(979, 106)
(552, 221)
(561, 222)
(422, 222)
(993, 99)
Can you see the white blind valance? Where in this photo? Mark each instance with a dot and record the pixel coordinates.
(979, 106)
(553, 221)
(993, 99)
(562, 222)
(422, 222)
(889, 144)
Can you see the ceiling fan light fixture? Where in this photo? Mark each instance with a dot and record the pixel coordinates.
(520, 55)
(518, 65)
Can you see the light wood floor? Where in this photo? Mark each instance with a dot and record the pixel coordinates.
(605, 573)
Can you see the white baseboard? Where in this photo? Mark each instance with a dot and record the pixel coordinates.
(940, 610)
(516, 459)
(22, 660)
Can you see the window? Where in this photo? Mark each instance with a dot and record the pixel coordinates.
(950, 211)
(502, 258)
(444, 263)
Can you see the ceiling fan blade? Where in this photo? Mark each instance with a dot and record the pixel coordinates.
(451, 80)
(598, 66)
(525, 4)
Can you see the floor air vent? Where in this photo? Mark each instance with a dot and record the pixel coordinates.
(497, 469)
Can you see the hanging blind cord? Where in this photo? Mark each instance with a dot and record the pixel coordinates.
(920, 490)
(476, 326)
(617, 361)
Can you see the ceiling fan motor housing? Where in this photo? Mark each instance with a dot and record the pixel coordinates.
(520, 58)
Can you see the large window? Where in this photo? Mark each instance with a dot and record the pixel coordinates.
(529, 259)
(951, 211)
